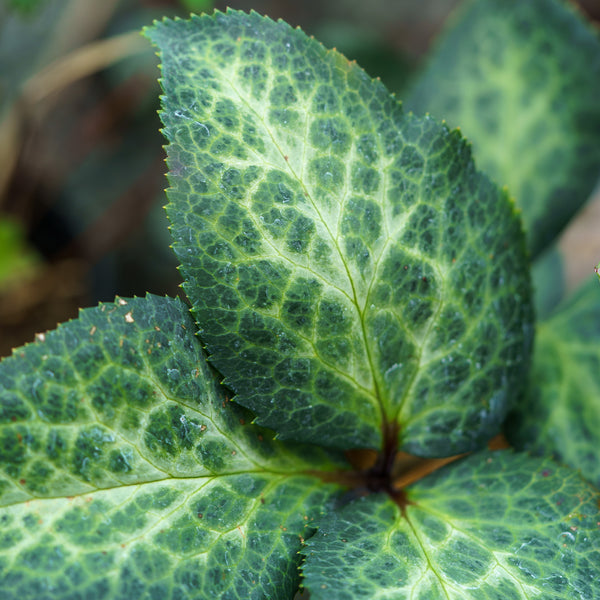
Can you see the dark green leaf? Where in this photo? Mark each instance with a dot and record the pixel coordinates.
(498, 526)
(522, 80)
(121, 396)
(228, 537)
(349, 268)
(560, 414)
(125, 471)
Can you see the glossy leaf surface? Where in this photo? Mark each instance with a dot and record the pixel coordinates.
(228, 537)
(560, 415)
(494, 525)
(349, 269)
(125, 471)
(522, 81)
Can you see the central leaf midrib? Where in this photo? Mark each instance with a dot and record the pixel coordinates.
(430, 565)
(452, 524)
(376, 392)
(276, 252)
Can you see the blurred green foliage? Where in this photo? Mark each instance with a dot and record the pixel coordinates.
(17, 259)
(81, 159)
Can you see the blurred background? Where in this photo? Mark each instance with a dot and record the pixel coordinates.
(82, 172)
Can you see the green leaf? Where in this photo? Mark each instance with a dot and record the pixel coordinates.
(125, 470)
(228, 537)
(350, 270)
(548, 275)
(492, 526)
(560, 414)
(119, 396)
(522, 80)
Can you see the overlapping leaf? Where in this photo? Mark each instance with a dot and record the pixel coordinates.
(120, 396)
(125, 470)
(548, 277)
(522, 80)
(560, 414)
(495, 525)
(350, 270)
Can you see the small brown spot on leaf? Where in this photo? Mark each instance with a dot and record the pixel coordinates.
(122, 302)
(22, 481)
(129, 317)
(93, 330)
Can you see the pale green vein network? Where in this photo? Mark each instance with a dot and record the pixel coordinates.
(170, 536)
(377, 392)
(455, 533)
(327, 315)
(493, 525)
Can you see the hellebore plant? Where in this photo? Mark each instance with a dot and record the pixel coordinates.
(361, 302)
